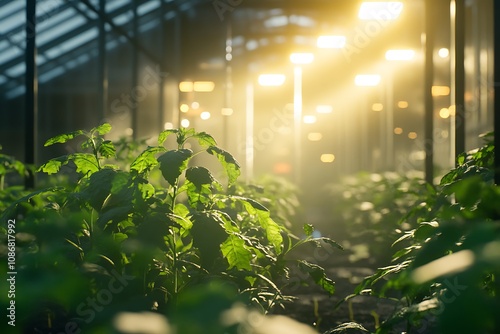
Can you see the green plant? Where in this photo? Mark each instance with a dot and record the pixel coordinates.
(449, 262)
(159, 239)
(367, 211)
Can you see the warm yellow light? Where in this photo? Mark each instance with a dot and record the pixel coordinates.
(443, 52)
(203, 86)
(327, 158)
(185, 123)
(444, 113)
(366, 80)
(226, 111)
(377, 107)
(324, 109)
(314, 136)
(398, 131)
(300, 58)
(168, 125)
(205, 115)
(412, 135)
(184, 107)
(195, 105)
(452, 110)
(331, 42)
(400, 54)
(186, 86)
(271, 79)
(129, 131)
(383, 10)
(403, 104)
(310, 119)
(440, 90)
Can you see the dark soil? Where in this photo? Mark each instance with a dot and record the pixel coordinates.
(317, 308)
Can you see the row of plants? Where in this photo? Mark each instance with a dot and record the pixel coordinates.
(366, 212)
(139, 228)
(446, 260)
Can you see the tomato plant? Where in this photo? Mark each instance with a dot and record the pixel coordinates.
(120, 239)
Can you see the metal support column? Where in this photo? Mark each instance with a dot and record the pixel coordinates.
(31, 85)
(429, 103)
(135, 65)
(459, 54)
(496, 124)
(229, 80)
(177, 69)
(103, 68)
(161, 84)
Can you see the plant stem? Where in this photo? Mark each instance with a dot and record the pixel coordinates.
(94, 149)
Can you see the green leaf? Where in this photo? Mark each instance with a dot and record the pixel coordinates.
(208, 234)
(53, 166)
(62, 138)
(308, 229)
(236, 253)
(181, 210)
(164, 135)
(204, 139)
(329, 241)
(154, 229)
(107, 149)
(343, 328)
(228, 162)
(85, 163)
(272, 229)
(199, 182)
(425, 230)
(183, 134)
(99, 187)
(147, 190)
(199, 176)
(173, 163)
(318, 274)
(146, 160)
(102, 129)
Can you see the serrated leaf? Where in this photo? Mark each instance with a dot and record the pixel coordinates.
(107, 149)
(164, 135)
(273, 230)
(308, 229)
(85, 163)
(318, 274)
(99, 187)
(183, 222)
(63, 138)
(228, 162)
(204, 139)
(146, 160)
(199, 176)
(236, 253)
(181, 210)
(173, 163)
(147, 190)
(102, 129)
(52, 166)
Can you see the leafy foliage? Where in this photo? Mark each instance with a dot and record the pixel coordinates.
(368, 210)
(449, 261)
(159, 239)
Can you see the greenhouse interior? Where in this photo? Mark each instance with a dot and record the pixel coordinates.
(249, 166)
